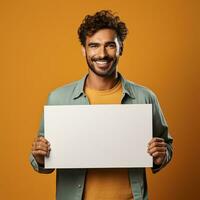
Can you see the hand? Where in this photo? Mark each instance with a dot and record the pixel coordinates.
(40, 149)
(157, 148)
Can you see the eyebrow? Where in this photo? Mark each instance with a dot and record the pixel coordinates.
(111, 42)
(96, 43)
(93, 43)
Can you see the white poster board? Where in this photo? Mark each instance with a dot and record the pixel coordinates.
(98, 136)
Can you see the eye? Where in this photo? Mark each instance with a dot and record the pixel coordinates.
(93, 46)
(112, 45)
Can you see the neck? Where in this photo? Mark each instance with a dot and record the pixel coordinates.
(96, 82)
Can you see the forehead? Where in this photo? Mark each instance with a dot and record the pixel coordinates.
(102, 36)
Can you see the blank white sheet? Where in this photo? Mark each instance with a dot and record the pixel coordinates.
(98, 136)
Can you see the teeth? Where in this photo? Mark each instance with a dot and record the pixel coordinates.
(101, 62)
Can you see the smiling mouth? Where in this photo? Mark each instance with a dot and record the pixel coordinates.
(102, 63)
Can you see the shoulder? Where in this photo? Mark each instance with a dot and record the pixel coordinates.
(140, 91)
(62, 93)
(67, 88)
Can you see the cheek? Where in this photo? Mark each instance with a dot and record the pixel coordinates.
(88, 55)
(91, 54)
(114, 53)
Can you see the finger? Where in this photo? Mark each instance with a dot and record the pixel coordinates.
(34, 145)
(38, 142)
(158, 154)
(39, 153)
(157, 149)
(38, 148)
(42, 139)
(157, 144)
(156, 139)
(42, 146)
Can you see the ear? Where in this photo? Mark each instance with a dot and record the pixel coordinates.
(83, 51)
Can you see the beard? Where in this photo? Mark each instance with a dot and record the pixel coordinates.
(103, 72)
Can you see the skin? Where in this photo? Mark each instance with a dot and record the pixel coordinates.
(102, 52)
(102, 46)
(40, 149)
(157, 149)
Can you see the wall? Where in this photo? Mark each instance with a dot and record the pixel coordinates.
(40, 51)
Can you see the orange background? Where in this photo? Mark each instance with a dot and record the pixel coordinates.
(40, 51)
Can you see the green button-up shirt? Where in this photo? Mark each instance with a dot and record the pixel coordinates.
(70, 182)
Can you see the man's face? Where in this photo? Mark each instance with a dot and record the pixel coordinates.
(102, 51)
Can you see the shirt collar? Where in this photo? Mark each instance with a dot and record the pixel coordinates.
(126, 87)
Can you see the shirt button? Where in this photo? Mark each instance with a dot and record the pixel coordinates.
(79, 186)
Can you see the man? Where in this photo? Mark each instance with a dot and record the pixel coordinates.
(102, 36)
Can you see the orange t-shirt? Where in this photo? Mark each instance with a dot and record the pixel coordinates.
(107, 184)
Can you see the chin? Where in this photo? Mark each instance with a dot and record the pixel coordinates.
(105, 73)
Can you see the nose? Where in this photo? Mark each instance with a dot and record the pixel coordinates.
(103, 52)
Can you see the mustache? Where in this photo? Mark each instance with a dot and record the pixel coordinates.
(105, 58)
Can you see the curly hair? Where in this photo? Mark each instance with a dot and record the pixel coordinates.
(102, 19)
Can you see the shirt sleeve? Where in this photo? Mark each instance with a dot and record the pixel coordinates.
(160, 129)
(36, 166)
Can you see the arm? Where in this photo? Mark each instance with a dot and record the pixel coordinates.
(40, 149)
(160, 147)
